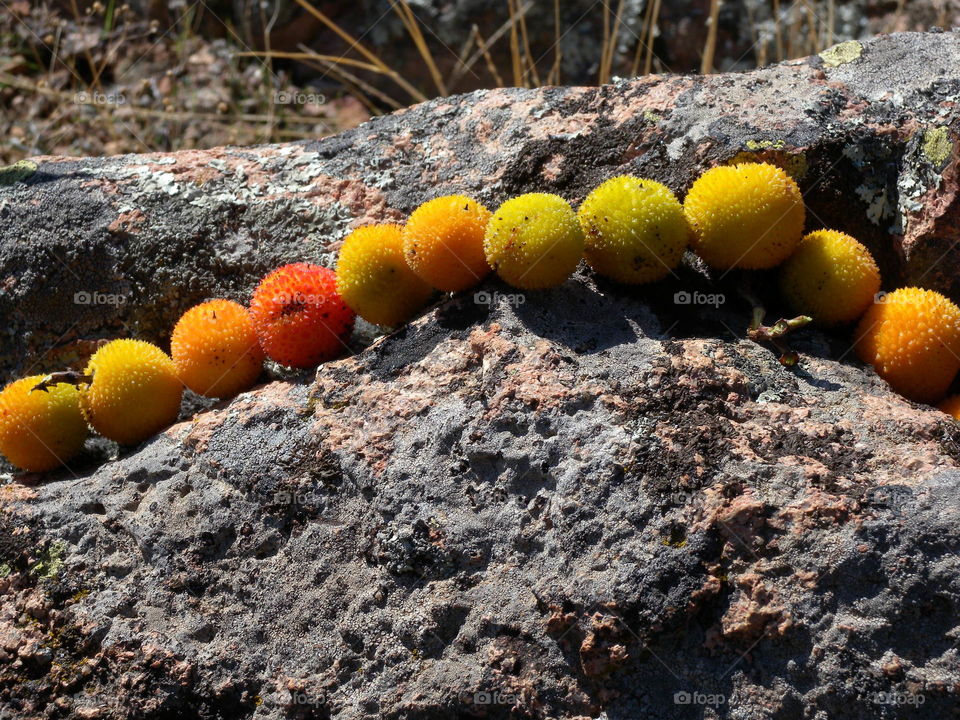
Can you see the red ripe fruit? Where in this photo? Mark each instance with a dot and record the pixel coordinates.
(299, 316)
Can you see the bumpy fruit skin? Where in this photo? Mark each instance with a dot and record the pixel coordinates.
(831, 277)
(534, 241)
(951, 406)
(745, 216)
(39, 430)
(912, 339)
(443, 242)
(135, 391)
(299, 316)
(636, 230)
(374, 279)
(215, 348)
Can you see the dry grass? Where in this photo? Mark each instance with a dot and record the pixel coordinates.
(42, 82)
(107, 82)
(801, 27)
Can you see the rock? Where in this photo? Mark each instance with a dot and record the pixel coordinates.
(585, 502)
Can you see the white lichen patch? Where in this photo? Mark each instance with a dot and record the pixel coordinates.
(290, 172)
(910, 189)
(697, 132)
(676, 147)
(874, 190)
(878, 204)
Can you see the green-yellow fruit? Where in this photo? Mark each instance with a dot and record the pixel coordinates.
(745, 216)
(135, 391)
(831, 277)
(373, 277)
(636, 230)
(40, 430)
(443, 242)
(534, 241)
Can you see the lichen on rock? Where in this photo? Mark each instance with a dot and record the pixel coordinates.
(18, 172)
(937, 145)
(842, 54)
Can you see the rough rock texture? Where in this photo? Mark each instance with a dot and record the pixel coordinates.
(587, 502)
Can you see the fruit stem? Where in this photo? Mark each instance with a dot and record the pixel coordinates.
(68, 377)
(774, 334)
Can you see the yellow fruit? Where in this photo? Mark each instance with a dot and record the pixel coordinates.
(745, 216)
(373, 277)
(636, 230)
(912, 339)
(443, 242)
(215, 349)
(831, 277)
(40, 430)
(135, 391)
(534, 241)
(951, 406)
